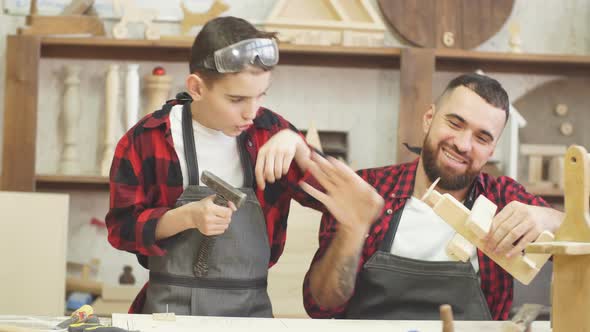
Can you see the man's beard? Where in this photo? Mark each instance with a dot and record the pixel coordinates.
(447, 181)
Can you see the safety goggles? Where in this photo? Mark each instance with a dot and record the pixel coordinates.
(262, 52)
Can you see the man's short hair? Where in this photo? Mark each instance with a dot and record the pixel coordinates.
(484, 86)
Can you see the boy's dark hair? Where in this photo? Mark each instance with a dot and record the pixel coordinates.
(484, 86)
(217, 34)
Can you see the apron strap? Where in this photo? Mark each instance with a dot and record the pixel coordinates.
(190, 151)
(391, 231)
(247, 164)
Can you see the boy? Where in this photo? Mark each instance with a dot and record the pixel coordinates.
(219, 117)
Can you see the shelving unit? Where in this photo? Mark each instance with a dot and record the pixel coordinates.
(387, 57)
(46, 182)
(417, 67)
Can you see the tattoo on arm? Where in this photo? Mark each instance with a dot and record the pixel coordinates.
(347, 276)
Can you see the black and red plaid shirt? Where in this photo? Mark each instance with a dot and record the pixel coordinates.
(396, 184)
(145, 182)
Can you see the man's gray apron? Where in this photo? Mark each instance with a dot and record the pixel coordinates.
(399, 288)
(238, 262)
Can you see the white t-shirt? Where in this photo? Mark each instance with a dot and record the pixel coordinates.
(216, 152)
(423, 235)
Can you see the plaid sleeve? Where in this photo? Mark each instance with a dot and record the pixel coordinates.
(294, 178)
(132, 216)
(295, 175)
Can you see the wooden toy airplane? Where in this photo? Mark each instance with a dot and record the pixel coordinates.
(472, 226)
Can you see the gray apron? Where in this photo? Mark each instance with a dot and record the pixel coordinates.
(399, 288)
(236, 282)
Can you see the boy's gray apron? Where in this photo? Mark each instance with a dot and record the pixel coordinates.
(238, 262)
(399, 288)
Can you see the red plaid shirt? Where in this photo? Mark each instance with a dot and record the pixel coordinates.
(145, 182)
(395, 184)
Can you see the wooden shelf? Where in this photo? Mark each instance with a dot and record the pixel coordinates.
(178, 50)
(71, 182)
(417, 68)
(460, 60)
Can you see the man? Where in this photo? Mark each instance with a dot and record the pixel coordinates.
(382, 250)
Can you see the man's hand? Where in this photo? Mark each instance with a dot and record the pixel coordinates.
(275, 157)
(520, 222)
(356, 206)
(351, 200)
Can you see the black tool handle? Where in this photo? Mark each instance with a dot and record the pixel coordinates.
(201, 266)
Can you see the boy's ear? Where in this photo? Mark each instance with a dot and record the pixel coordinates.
(195, 86)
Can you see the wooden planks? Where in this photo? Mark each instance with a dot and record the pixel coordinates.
(412, 20)
(424, 23)
(33, 243)
(20, 113)
(145, 323)
(571, 274)
(447, 24)
(560, 248)
(417, 70)
(63, 25)
(571, 263)
(333, 56)
(576, 226)
(571, 293)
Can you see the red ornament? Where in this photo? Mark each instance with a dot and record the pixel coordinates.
(159, 71)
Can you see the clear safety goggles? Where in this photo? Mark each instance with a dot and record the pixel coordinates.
(262, 52)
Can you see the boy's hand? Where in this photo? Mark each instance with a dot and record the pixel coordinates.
(275, 157)
(208, 217)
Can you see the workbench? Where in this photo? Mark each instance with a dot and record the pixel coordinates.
(145, 323)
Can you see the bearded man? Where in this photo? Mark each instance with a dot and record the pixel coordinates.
(382, 250)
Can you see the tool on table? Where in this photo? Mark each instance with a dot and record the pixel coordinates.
(84, 320)
(224, 193)
(521, 322)
(77, 316)
(81, 326)
(89, 327)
